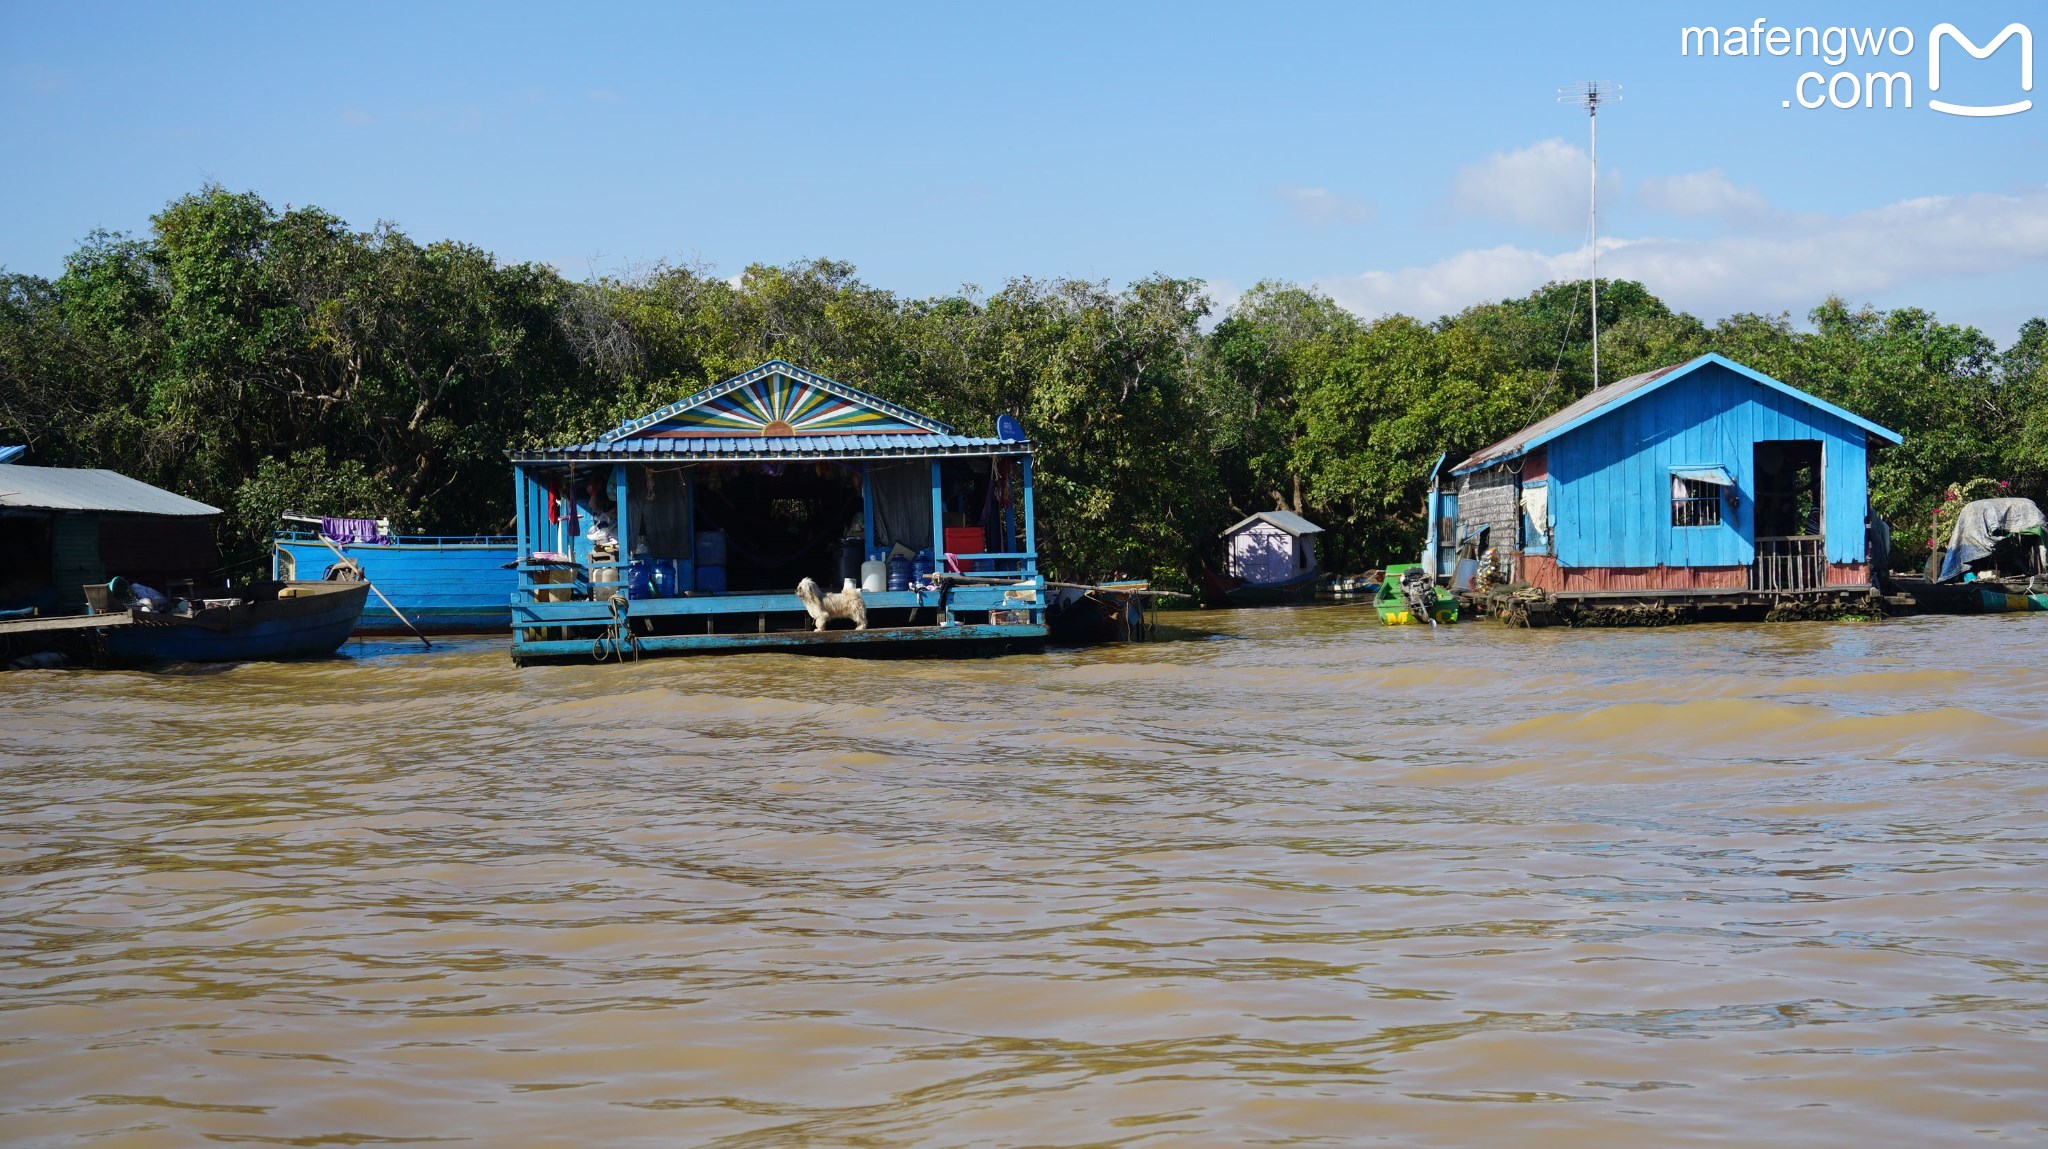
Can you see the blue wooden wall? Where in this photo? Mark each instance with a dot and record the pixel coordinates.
(1610, 478)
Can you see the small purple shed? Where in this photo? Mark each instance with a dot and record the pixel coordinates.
(1272, 547)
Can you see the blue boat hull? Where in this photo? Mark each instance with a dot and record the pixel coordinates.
(443, 586)
(309, 627)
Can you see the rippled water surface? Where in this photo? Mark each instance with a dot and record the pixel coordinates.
(1302, 880)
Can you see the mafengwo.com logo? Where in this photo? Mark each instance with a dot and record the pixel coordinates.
(1894, 54)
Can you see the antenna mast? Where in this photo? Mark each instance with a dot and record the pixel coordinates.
(1590, 94)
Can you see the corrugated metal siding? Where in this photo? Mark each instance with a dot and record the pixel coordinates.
(1490, 499)
(1611, 478)
(1543, 571)
(75, 556)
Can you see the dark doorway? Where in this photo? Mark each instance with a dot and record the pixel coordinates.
(1788, 488)
(1790, 551)
(782, 522)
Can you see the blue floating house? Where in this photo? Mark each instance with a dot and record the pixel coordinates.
(440, 584)
(1705, 481)
(688, 529)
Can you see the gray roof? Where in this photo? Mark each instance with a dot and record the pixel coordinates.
(1287, 521)
(79, 489)
(748, 448)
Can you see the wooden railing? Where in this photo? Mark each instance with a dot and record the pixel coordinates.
(1790, 562)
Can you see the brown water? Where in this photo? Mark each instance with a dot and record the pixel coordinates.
(1305, 881)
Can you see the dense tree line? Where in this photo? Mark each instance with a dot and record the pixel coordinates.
(262, 359)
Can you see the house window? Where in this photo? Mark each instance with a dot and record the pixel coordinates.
(1695, 503)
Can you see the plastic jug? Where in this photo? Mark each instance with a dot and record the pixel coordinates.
(663, 579)
(874, 576)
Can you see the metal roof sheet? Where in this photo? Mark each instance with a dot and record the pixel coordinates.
(12, 451)
(80, 489)
(1622, 390)
(738, 448)
(1287, 521)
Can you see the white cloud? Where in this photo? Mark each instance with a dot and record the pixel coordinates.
(1543, 185)
(1785, 262)
(1321, 207)
(1695, 194)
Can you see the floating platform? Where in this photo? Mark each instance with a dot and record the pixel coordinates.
(600, 625)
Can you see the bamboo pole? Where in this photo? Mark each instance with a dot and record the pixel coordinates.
(366, 579)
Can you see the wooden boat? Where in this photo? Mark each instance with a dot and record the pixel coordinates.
(268, 620)
(1087, 615)
(1269, 557)
(1228, 590)
(441, 584)
(1396, 599)
(1356, 585)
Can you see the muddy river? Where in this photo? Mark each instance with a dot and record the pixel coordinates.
(1293, 879)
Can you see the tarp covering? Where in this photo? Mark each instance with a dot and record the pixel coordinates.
(1981, 525)
(1536, 505)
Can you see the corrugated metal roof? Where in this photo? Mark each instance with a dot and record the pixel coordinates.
(79, 489)
(12, 451)
(740, 448)
(1287, 521)
(1543, 430)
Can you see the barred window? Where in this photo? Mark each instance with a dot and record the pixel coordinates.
(1695, 503)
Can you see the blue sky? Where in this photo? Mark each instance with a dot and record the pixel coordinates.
(1409, 158)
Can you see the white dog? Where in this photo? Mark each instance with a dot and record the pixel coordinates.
(844, 603)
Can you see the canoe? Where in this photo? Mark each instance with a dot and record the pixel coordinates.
(444, 585)
(1229, 590)
(1354, 586)
(1394, 608)
(274, 620)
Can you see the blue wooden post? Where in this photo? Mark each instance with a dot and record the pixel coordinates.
(622, 486)
(867, 511)
(519, 512)
(1030, 522)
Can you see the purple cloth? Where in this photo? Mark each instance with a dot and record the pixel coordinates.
(352, 530)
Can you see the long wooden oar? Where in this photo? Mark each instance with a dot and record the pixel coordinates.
(366, 579)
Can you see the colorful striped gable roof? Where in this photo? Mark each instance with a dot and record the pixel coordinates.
(776, 400)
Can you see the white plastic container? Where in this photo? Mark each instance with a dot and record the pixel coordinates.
(874, 576)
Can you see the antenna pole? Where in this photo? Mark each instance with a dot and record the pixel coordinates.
(1593, 151)
(1590, 95)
